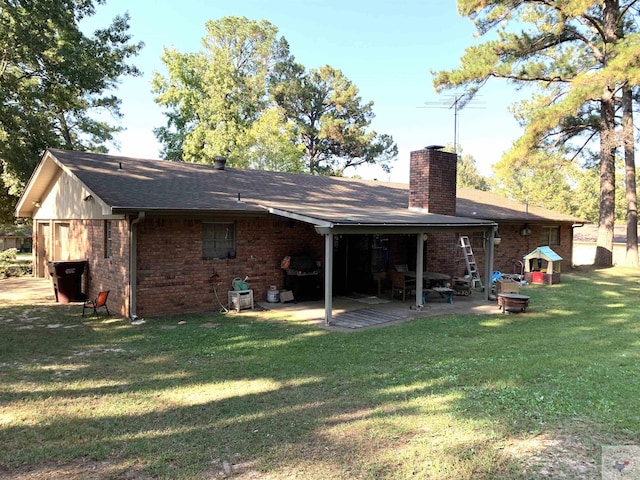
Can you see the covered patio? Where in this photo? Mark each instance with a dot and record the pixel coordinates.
(332, 221)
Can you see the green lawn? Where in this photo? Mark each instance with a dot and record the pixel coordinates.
(520, 396)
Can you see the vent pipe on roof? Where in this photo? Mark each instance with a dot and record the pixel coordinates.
(219, 162)
(120, 169)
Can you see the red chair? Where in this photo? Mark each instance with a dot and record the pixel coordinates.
(100, 301)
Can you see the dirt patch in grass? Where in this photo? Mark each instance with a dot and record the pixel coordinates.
(84, 469)
(557, 456)
(26, 291)
(546, 456)
(101, 470)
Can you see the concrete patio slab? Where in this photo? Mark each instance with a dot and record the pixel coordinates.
(349, 314)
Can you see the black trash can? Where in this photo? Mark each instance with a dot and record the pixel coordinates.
(67, 280)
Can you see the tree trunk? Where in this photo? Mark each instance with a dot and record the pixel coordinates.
(630, 178)
(608, 144)
(604, 249)
(65, 132)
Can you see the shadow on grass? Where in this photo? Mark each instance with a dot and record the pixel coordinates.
(443, 397)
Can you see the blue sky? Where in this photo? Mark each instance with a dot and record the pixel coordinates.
(386, 48)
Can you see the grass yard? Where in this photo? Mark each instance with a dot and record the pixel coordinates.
(521, 396)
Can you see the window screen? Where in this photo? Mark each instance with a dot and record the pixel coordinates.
(218, 240)
(550, 236)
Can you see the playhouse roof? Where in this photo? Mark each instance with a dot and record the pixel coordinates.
(544, 253)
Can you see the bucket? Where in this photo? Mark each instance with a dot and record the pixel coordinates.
(273, 294)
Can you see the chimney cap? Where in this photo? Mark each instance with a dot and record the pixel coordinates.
(219, 162)
(434, 147)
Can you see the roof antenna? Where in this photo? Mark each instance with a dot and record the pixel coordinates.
(455, 102)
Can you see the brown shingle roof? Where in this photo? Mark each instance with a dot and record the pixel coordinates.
(481, 204)
(131, 184)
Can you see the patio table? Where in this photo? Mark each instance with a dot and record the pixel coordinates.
(431, 278)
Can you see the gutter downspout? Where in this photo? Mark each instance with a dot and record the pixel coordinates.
(573, 231)
(133, 260)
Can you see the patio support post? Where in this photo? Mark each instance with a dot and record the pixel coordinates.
(419, 266)
(328, 278)
(489, 246)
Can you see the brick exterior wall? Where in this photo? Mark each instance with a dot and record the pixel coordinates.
(442, 252)
(111, 273)
(432, 181)
(439, 253)
(86, 242)
(173, 277)
(514, 246)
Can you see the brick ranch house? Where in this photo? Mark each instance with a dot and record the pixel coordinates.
(165, 236)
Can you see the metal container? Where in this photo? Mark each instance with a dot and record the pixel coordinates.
(273, 294)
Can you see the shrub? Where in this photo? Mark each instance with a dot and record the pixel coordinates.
(10, 266)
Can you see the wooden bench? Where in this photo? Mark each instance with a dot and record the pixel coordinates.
(444, 292)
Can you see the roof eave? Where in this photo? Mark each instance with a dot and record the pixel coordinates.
(30, 197)
(120, 210)
(296, 216)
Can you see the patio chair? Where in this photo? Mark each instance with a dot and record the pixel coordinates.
(400, 284)
(99, 302)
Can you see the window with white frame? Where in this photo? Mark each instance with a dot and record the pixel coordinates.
(218, 240)
(550, 235)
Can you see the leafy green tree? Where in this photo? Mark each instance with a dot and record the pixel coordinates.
(268, 144)
(331, 120)
(468, 176)
(579, 53)
(541, 179)
(584, 191)
(53, 80)
(215, 99)
(585, 194)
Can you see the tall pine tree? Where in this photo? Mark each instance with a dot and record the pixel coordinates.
(579, 54)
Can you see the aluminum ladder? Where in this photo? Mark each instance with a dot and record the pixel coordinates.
(470, 261)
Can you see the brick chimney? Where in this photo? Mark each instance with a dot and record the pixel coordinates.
(432, 181)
